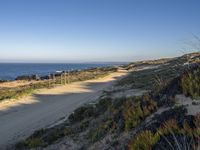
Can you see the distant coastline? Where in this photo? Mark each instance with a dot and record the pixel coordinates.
(10, 71)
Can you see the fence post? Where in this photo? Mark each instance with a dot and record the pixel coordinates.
(61, 78)
(68, 77)
(65, 77)
(54, 80)
(49, 80)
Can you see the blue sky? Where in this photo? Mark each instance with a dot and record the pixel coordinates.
(95, 30)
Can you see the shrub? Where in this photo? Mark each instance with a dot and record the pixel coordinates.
(168, 127)
(190, 82)
(34, 140)
(30, 143)
(137, 109)
(84, 125)
(104, 104)
(102, 130)
(81, 113)
(144, 141)
(132, 114)
(170, 135)
(43, 138)
(67, 131)
(197, 125)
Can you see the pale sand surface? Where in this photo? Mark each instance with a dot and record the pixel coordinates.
(188, 103)
(20, 118)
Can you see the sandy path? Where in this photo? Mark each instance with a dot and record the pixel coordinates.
(20, 118)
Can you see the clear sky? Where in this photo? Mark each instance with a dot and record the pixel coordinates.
(95, 30)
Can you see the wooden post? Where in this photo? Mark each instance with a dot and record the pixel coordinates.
(54, 80)
(61, 78)
(49, 80)
(65, 77)
(68, 77)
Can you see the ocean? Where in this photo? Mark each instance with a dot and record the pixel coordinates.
(9, 71)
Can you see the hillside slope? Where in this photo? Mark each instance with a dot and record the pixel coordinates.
(163, 114)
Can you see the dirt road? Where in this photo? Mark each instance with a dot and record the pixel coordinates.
(20, 118)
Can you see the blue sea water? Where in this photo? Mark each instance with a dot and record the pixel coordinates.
(9, 71)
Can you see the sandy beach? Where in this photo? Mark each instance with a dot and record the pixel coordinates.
(20, 118)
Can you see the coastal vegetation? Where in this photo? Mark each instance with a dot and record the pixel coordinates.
(171, 134)
(74, 76)
(190, 82)
(150, 121)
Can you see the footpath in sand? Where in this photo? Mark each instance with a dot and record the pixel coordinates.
(20, 118)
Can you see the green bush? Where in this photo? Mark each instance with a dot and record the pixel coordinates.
(104, 104)
(82, 113)
(137, 109)
(44, 137)
(102, 130)
(33, 141)
(144, 141)
(190, 82)
(170, 135)
(30, 143)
